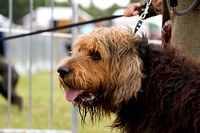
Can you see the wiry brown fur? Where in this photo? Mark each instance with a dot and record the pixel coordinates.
(149, 89)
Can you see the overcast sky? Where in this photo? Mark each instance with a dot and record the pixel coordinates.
(103, 4)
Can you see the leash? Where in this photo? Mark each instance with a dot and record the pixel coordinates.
(61, 27)
(144, 7)
(69, 26)
(174, 3)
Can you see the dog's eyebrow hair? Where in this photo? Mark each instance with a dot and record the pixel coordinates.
(110, 47)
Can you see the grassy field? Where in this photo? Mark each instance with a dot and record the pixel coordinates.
(41, 107)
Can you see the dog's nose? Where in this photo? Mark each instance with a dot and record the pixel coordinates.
(63, 71)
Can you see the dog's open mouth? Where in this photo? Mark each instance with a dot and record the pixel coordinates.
(75, 94)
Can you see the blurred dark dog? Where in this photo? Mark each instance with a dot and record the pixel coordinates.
(15, 99)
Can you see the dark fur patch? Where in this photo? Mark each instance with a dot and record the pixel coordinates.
(170, 101)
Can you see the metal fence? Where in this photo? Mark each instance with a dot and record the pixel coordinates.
(20, 53)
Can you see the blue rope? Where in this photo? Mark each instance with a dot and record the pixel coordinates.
(180, 13)
(151, 1)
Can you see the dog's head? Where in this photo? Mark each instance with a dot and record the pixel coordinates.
(103, 71)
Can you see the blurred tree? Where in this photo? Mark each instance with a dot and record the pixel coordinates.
(4, 7)
(64, 4)
(92, 10)
(97, 12)
(111, 9)
(20, 7)
(134, 1)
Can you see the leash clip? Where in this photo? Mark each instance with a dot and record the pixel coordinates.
(142, 16)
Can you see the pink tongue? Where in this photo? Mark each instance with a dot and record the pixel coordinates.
(72, 94)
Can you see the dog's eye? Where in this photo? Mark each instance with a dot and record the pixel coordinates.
(95, 55)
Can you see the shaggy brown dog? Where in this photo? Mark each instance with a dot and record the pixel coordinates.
(150, 90)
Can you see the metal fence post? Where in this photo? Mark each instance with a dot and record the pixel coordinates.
(75, 19)
(30, 66)
(51, 67)
(9, 56)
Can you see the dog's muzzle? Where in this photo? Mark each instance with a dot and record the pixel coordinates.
(63, 71)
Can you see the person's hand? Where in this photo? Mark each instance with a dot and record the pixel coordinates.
(166, 33)
(157, 4)
(130, 10)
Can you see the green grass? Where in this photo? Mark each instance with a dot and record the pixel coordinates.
(41, 107)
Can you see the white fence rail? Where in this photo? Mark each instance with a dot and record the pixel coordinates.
(41, 59)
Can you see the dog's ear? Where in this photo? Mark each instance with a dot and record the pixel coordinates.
(126, 71)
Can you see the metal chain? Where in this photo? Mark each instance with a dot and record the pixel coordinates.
(142, 16)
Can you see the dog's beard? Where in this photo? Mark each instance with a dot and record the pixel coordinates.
(88, 103)
(92, 108)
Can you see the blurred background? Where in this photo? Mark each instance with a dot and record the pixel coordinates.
(62, 15)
